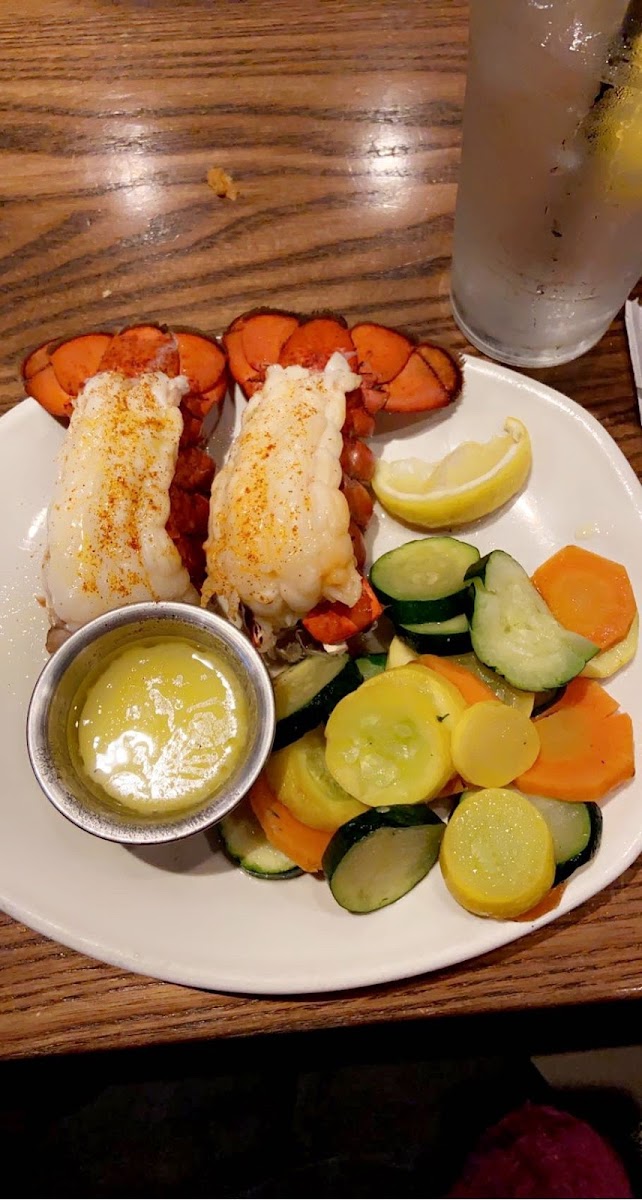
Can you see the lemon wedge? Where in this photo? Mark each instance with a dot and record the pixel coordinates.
(475, 479)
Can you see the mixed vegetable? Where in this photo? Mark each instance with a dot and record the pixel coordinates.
(480, 736)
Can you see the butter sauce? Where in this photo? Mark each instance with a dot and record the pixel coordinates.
(162, 726)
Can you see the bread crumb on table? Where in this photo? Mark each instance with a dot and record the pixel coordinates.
(222, 183)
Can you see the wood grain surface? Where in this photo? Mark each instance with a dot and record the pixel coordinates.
(340, 123)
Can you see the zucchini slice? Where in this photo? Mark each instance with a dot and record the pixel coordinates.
(515, 697)
(514, 632)
(546, 700)
(300, 779)
(439, 637)
(306, 693)
(497, 856)
(607, 662)
(245, 844)
(576, 830)
(385, 743)
(423, 580)
(448, 702)
(380, 856)
(371, 664)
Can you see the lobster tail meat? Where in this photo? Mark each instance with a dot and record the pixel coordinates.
(394, 375)
(60, 375)
(279, 539)
(107, 542)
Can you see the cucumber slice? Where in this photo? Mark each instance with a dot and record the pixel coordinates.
(514, 632)
(576, 830)
(306, 693)
(371, 664)
(423, 580)
(399, 654)
(380, 856)
(439, 637)
(246, 845)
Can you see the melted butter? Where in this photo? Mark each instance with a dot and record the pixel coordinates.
(163, 726)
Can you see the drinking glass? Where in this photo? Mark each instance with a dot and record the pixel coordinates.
(548, 226)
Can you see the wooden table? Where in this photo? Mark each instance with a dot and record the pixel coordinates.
(340, 123)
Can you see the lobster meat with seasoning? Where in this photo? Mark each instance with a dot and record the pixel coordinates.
(287, 513)
(129, 511)
(289, 508)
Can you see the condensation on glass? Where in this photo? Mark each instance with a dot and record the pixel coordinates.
(548, 228)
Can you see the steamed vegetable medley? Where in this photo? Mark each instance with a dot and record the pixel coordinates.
(480, 737)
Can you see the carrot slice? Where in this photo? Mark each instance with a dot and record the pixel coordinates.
(77, 359)
(548, 904)
(331, 622)
(142, 348)
(452, 788)
(446, 367)
(305, 846)
(586, 746)
(588, 594)
(44, 388)
(314, 342)
(472, 689)
(240, 369)
(36, 361)
(585, 693)
(416, 388)
(381, 352)
(264, 335)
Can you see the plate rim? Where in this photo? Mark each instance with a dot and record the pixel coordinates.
(503, 934)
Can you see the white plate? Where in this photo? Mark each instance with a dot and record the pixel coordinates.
(182, 913)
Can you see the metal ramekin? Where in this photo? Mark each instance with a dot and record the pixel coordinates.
(58, 684)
